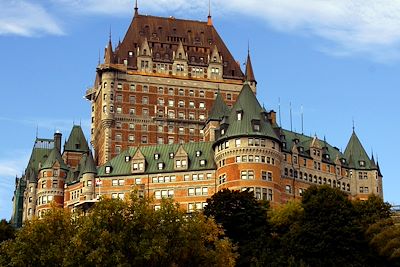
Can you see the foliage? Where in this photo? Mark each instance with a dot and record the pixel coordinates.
(40, 242)
(6, 230)
(372, 210)
(245, 222)
(384, 237)
(120, 233)
(328, 233)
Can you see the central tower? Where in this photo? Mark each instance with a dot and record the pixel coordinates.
(158, 84)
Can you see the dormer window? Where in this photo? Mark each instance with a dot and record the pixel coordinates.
(343, 161)
(156, 156)
(256, 125)
(239, 115)
(130, 53)
(108, 169)
(327, 156)
(284, 144)
(222, 131)
(171, 155)
(301, 149)
(160, 165)
(138, 166)
(362, 163)
(198, 153)
(127, 158)
(203, 162)
(296, 141)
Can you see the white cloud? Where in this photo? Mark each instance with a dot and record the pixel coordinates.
(347, 27)
(19, 17)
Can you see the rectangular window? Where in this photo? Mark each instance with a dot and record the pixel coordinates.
(237, 142)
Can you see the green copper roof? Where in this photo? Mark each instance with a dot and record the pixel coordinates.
(76, 141)
(40, 152)
(288, 138)
(356, 155)
(219, 109)
(252, 113)
(90, 166)
(53, 158)
(122, 167)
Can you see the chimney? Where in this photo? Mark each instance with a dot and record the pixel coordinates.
(57, 140)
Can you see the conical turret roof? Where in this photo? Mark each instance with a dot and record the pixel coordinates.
(54, 157)
(356, 155)
(249, 74)
(252, 120)
(109, 54)
(90, 166)
(76, 141)
(219, 109)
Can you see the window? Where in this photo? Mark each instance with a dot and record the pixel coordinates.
(202, 105)
(144, 139)
(54, 184)
(288, 189)
(186, 177)
(138, 166)
(119, 86)
(160, 165)
(191, 104)
(222, 179)
(203, 162)
(239, 115)
(237, 142)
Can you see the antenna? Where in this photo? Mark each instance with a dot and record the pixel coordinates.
(279, 110)
(302, 120)
(37, 131)
(99, 58)
(291, 122)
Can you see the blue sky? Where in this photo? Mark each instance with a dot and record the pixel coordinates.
(339, 59)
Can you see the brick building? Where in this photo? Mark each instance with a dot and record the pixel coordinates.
(174, 116)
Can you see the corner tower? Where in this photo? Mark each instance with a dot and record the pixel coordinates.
(365, 176)
(247, 150)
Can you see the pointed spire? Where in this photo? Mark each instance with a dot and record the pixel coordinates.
(249, 75)
(136, 8)
(219, 108)
(355, 153)
(109, 54)
(209, 20)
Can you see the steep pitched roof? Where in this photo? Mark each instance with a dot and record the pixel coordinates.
(122, 167)
(252, 112)
(304, 141)
(89, 166)
(355, 154)
(249, 74)
(76, 141)
(54, 157)
(40, 152)
(219, 109)
(197, 37)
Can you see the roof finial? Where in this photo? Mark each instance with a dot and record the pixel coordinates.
(136, 8)
(291, 123)
(302, 120)
(209, 21)
(353, 126)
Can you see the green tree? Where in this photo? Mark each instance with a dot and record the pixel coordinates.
(40, 242)
(132, 233)
(245, 222)
(6, 230)
(384, 237)
(372, 210)
(328, 232)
